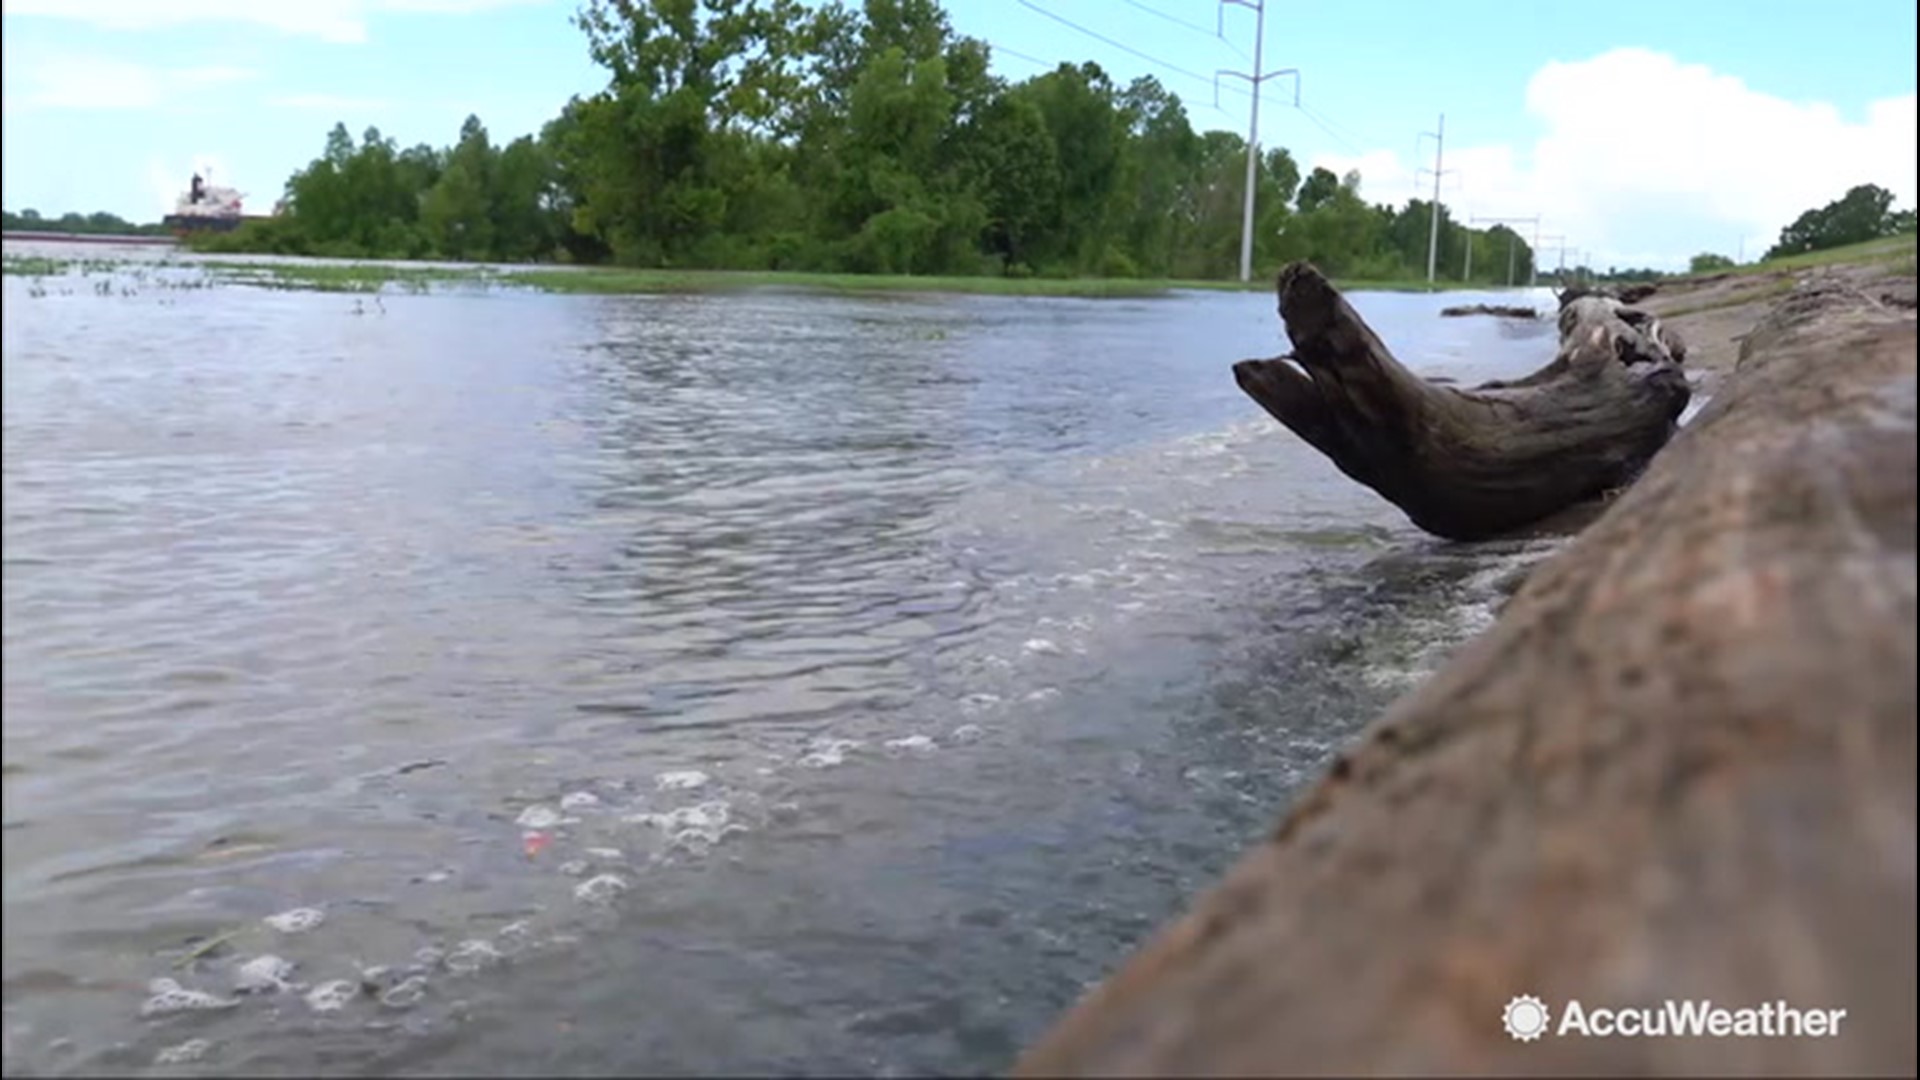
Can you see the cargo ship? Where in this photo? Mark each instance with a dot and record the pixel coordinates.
(205, 208)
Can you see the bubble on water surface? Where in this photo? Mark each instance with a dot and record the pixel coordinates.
(579, 800)
(472, 955)
(406, 993)
(262, 973)
(825, 753)
(682, 780)
(170, 997)
(538, 816)
(968, 733)
(694, 826)
(185, 1053)
(333, 995)
(600, 890)
(296, 921)
(1042, 647)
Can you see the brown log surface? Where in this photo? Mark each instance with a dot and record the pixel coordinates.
(1681, 765)
(1468, 464)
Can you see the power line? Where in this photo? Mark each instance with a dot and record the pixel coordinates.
(1323, 123)
(1018, 55)
(1195, 27)
(1323, 126)
(1097, 36)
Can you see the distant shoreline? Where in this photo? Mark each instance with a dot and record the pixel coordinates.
(90, 238)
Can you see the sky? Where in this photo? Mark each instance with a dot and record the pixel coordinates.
(1638, 133)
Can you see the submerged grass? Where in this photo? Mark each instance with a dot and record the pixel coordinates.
(625, 281)
(367, 277)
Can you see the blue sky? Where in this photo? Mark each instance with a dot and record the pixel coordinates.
(1639, 132)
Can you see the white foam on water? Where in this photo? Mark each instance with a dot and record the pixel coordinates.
(605, 854)
(296, 921)
(1045, 693)
(333, 995)
(600, 890)
(515, 937)
(185, 1053)
(263, 973)
(539, 816)
(1042, 647)
(406, 993)
(575, 867)
(826, 753)
(695, 827)
(170, 997)
(681, 780)
(472, 955)
(968, 733)
(579, 800)
(915, 743)
(978, 703)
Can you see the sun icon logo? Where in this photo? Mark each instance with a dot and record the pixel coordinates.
(1525, 1018)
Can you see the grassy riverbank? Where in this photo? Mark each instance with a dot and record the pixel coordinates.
(374, 276)
(1895, 254)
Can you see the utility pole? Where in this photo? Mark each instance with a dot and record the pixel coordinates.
(1511, 221)
(1433, 229)
(1254, 79)
(1533, 264)
(1550, 240)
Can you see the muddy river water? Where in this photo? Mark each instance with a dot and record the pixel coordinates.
(505, 683)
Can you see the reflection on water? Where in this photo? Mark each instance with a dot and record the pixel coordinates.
(507, 683)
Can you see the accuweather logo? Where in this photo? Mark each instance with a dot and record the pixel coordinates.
(1527, 1018)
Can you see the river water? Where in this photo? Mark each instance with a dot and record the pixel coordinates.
(767, 682)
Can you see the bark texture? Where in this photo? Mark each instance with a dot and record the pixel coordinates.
(1470, 464)
(1680, 765)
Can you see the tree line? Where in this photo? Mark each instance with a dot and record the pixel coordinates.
(773, 135)
(1864, 213)
(75, 224)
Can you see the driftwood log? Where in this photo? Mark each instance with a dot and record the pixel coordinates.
(1472, 463)
(1680, 765)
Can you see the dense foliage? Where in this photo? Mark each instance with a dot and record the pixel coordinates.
(97, 224)
(1864, 213)
(771, 135)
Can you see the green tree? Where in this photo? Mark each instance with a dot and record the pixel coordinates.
(1864, 213)
(1318, 190)
(1707, 262)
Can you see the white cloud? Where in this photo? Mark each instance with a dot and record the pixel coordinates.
(80, 81)
(1646, 161)
(343, 21)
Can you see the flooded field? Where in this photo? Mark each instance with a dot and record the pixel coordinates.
(482, 681)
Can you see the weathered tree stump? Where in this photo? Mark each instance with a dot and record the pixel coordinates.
(1680, 766)
(1472, 463)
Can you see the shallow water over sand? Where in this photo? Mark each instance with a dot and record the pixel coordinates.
(719, 684)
